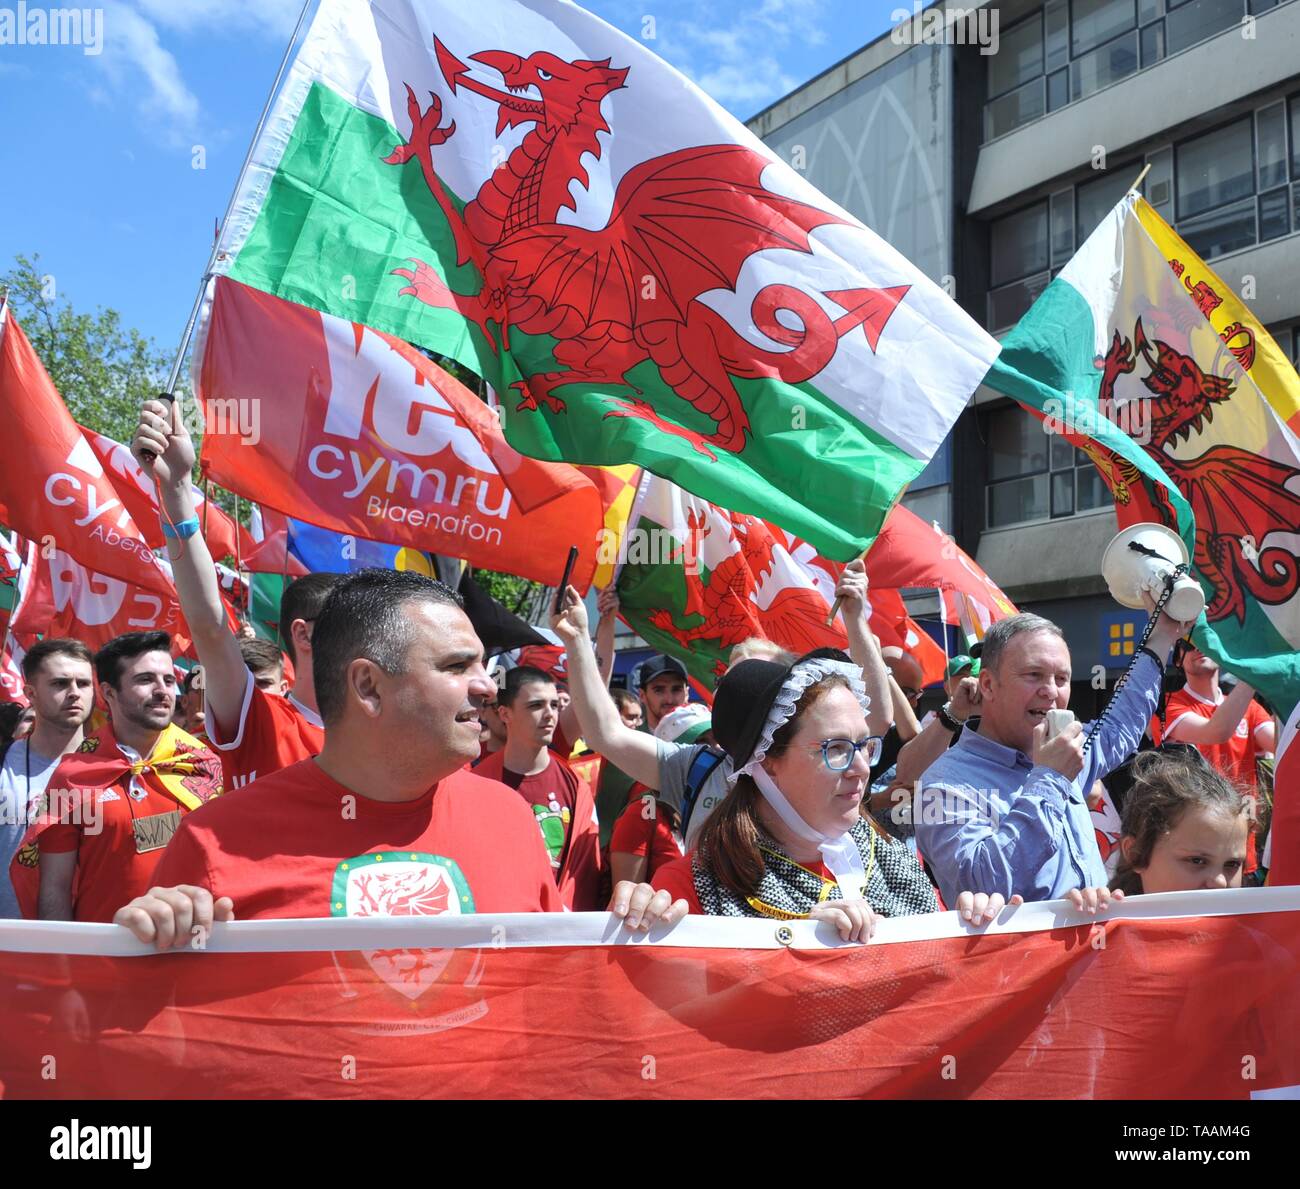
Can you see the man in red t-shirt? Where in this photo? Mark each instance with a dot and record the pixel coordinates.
(562, 803)
(1230, 732)
(385, 821)
(254, 732)
(112, 805)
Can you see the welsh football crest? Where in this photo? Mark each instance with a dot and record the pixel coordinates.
(402, 883)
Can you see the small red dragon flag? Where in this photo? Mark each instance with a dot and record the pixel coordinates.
(525, 189)
(1140, 355)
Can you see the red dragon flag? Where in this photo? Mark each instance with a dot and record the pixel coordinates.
(360, 433)
(1139, 354)
(517, 185)
(695, 580)
(53, 488)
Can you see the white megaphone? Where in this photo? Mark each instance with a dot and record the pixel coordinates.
(1141, 560)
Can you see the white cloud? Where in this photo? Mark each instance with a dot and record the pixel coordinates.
(134, 53)
(272, 17)
(746, 87)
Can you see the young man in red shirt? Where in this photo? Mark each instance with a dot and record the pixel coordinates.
(254, 732)
(1229, 731)
(113, 804)
(387, 820)
(563, 804)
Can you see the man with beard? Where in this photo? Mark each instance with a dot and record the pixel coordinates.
(562, 803)
(59, 686)
(113, 804)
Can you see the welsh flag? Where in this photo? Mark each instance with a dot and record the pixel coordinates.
(1186, 995)
(697, 579)
(1145, 359)
(521, 187)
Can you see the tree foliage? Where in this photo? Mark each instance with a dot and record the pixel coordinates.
(102, 369)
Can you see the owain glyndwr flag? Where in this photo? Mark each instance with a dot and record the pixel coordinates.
(518, 185)
(1147, 360)
(1185, 995)
(360, 433)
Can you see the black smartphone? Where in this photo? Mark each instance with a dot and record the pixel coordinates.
(564, 582)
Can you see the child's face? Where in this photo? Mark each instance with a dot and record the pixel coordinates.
(1206, 849)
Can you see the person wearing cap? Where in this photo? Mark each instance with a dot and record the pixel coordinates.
(789, 842)
(693, 777)
(663, 687)
(648, 832)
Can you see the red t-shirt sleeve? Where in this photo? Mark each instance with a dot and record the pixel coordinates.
(59, 839)
(185, 861)
(678, 880)
(632, 832)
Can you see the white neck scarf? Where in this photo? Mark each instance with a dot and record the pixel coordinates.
(839, 852)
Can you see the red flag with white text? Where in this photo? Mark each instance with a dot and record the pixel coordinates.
(53, 488)
(356, 431)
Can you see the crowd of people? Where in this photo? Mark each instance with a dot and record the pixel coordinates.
(253, 786)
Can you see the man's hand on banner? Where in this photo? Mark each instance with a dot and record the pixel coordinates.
(641, 907)
(162, 436)
(172, 918)
(979, 908)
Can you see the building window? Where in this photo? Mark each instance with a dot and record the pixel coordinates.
(1233, 187)
(1019, 269)
(1034, 475)
(1071, 48)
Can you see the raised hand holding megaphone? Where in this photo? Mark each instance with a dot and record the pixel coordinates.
(1142, 562)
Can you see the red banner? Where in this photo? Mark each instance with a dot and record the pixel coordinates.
(356, 431)
(1181, 996)
(140, 497)
(64, 598)
(53, 489)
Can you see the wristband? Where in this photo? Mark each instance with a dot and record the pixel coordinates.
(183, 529)
(947, 719)
(1159, 663)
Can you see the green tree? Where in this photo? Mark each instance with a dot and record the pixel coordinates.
(102, 369)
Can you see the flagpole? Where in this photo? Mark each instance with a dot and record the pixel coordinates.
(1146, 169)
(239, 182)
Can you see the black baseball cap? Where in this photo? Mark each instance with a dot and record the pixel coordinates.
(658, 665)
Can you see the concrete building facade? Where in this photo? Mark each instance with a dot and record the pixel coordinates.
(988, 169)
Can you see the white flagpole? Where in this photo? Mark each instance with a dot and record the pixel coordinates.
(239, 182)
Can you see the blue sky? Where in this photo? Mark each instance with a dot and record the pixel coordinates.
(97, 152)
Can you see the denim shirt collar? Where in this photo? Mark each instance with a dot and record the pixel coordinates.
(1007, 757)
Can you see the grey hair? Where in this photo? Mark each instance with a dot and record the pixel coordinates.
(1004, 631)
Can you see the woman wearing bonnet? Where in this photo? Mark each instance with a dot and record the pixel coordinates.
(788, 842)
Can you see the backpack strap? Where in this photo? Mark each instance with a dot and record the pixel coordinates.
(702, 767)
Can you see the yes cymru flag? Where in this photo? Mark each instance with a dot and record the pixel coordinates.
(139, 495)
(517, 185)
(53, 488)
(64, 598)
(1144, 358)
(361, 434)
(1163, 999)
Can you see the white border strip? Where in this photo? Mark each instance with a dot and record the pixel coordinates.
(546, 930)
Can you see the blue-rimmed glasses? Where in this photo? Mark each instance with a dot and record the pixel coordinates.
(837, 754)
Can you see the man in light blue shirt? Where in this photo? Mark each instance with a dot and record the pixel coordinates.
(1005, 809)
